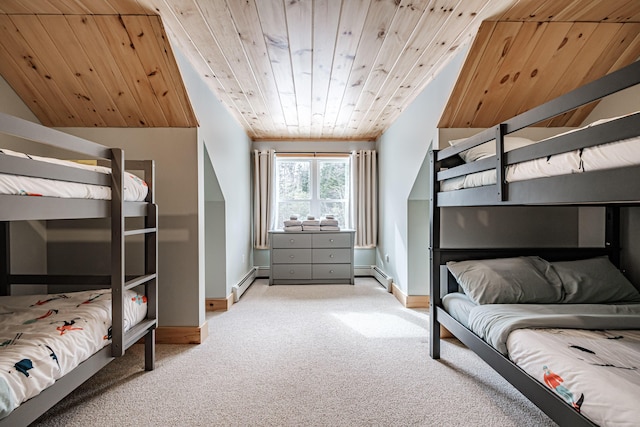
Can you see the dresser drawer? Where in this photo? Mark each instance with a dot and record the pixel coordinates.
(331, 240)
(291, 256)
(331, 271)
(291, 240)
(331, 256)
(291, 271)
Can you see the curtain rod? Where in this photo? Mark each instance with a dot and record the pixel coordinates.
(312, 154)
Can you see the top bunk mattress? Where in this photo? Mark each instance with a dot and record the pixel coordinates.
(611, 155)
(135, 189)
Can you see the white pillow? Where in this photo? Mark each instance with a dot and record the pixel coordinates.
(488, 149)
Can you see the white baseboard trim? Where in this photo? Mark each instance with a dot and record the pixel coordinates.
(244, 284)
(376, 272)
(263, 272)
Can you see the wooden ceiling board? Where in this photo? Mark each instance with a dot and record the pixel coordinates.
(92, 69)
(299, 15)
(408, 79)
(244, 15)
(92, 85)
(563, 56)
(390, 73)
(150, 51)
(326, 18)
(350, 28)
(305, 69)
(274, 27)
(220, 25)
(18, 79)
(623, 48)
(43, 67)
(405, 21)
(376, 27)
(91, 40)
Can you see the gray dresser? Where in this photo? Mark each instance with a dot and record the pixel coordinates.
(311, 257)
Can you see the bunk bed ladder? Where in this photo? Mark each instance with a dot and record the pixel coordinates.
(121, 340)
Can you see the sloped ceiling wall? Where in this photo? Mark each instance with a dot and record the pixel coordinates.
(305, 69)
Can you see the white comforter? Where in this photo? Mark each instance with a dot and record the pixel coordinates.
(135, 189)
(605, 156)
(44, 337)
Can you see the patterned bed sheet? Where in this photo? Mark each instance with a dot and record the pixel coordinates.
(597, 372)
(44, 337)
(595, 369)
(135, 189)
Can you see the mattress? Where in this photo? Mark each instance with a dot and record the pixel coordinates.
(596, 372)
(135, 189)
(44, 337)
(588, 361)
(606, 156)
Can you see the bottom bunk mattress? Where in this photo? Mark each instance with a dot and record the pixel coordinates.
(589, 354)
(44, 337)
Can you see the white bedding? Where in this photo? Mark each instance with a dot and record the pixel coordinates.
(606, 156)
(135, 189)
(43, 337)
(597, 372)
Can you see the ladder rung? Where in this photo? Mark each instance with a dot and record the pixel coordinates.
(139, 280)
(140, 231)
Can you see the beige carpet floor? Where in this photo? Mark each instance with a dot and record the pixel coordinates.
(320, 355)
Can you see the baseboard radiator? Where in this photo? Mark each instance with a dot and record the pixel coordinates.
(382, 277)
(244, 284)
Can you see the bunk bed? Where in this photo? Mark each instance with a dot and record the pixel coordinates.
(126, 306)
(462, 306)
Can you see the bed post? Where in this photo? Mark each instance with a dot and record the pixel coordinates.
(5, 258)
(434, 258)
(612, 234)
(501, 183)
(117, 252)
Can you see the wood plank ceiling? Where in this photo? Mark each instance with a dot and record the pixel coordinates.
(304, 69)
(102, 69)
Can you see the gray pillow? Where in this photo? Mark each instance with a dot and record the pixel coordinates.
(594, 281)
(521, 280)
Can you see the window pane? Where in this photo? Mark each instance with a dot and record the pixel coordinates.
(286, 209)
(294, 179)
(333, 180)
(337, 209)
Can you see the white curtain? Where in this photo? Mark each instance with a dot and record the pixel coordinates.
(263, 196)
(364, 197)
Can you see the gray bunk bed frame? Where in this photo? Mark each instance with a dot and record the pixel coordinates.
(19, 208)
(609, 188)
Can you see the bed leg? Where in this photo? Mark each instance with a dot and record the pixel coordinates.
(434, 341)
(150, 350)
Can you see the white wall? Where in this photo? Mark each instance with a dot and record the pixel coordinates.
(178, 195)
(228, 147)
(402, 150)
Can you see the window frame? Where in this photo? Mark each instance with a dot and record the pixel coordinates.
(315, 201)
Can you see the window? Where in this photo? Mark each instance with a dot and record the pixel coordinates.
(317, 186)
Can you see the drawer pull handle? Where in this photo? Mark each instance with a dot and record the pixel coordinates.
(331, 240)
(292, 256)
(291, 271)
(330, 255)
(291, 240)
(331, 271)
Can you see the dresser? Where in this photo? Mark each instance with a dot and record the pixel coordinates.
(311, 257)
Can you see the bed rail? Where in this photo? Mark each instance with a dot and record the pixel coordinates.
(446, 164)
